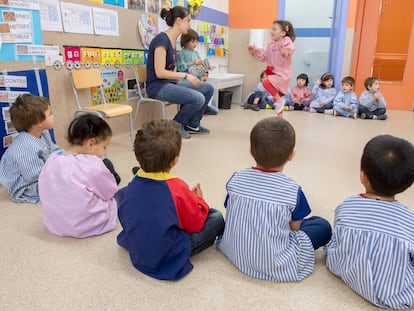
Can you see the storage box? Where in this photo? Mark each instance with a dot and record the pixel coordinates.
(225, 99)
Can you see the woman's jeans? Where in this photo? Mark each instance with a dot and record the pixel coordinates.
(193, 101)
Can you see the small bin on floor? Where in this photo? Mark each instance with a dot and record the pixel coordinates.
(225, 99)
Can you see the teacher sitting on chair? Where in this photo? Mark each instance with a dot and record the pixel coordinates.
(164, 83)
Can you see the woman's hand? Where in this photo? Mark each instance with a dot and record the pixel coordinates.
(193, 80)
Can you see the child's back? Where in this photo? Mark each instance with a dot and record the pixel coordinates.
(372, 247)
(164, 222)
(76, 188)
(266, 234)
(257, 236)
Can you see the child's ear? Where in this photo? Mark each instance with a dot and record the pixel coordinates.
(292, 155)
(363, 178)
(90, 142)
(174, 162)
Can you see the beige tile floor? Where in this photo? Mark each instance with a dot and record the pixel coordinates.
(39, 271)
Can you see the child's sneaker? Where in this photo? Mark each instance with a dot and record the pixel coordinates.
(335, 113)
(291, 108)
(363, 115)
(286, 108)
(279, 105)
(329, 111)
(352, 116)
(312, 110)
(382, 117)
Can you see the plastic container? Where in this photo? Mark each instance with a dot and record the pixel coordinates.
(225, 99)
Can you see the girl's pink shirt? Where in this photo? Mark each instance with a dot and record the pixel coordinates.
(282, 66)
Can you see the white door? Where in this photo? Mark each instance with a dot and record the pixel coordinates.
(312, 21)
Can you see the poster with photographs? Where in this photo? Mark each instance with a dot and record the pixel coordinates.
(136, 5)
(113, 87)
(12, 85)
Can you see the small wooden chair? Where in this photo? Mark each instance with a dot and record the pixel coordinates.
(89, 78)
(140, 73)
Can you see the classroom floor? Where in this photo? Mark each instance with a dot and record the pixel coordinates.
(39, 271)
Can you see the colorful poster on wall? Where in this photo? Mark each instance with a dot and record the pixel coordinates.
(19, 26)
(13, 84)
(120, 3)
(113, 87)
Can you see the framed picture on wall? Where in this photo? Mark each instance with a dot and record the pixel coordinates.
(152, 6)
(136, 5)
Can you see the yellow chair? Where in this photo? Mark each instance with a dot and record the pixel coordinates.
(89, 78)
(140, 73)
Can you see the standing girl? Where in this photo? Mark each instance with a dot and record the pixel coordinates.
(182, 88)
(76, 188)
(278, 56)
(324, 94)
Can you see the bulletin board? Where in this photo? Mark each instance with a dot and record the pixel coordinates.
(59, 86)
(13, 84)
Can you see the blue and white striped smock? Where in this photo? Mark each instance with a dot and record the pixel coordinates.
(372, 250)
(21, 164)
(257, 237)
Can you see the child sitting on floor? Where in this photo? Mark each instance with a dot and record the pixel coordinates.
(346, 102)
(259, 98)
(324, 93)
(23, 160)
(76, 187)
(300, 95)
(372, 247)
(164, 222)
(372, 103)
(267, 235)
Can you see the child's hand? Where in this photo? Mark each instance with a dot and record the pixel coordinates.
(251, 49)
(376, 96)
(285, 52)
(197, 190)
(199, 61)
(321, 104)
(347, 107)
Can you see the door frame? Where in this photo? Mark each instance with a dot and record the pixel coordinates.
(398, 95)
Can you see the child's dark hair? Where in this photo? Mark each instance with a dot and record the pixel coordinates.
(188, 37)
(350, 80)
(370, 81)
(157, 144)
(272, 141)
(287, 27)
(388, 164)
(325, 77)
(303, 76)
(88, 126)
(262, 75)
(170, 15)
(28, 110)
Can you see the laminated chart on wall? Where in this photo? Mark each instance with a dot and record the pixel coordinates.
(113, 87)
(13, 84)
(19, 27)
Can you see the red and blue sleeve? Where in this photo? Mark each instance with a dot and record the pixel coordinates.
(191, 210)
